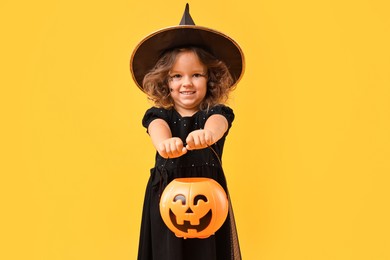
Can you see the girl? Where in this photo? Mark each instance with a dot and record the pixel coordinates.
(188, 86)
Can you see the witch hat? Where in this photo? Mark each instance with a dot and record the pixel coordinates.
(150, 49)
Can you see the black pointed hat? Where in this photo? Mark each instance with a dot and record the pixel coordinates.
(150, 49)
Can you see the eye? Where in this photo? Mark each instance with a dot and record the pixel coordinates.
(175, 77)
(198, 75)
(180, 197)
(199, 197)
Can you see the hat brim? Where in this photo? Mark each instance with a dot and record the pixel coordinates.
(150, 49)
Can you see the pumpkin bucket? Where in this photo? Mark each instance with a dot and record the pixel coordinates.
(194, 207)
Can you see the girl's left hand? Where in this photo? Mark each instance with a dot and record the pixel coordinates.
(199, 139)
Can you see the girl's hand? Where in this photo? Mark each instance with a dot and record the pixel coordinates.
(171, 148)
(199, 139)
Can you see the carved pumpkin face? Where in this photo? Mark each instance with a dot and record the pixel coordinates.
(194, 207)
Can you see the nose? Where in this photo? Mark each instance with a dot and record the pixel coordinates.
(186, 81)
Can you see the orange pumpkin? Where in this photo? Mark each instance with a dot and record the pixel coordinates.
(194, 207)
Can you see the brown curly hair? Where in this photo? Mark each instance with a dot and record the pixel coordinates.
(219, 80)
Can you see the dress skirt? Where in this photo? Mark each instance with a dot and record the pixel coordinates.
(157, 242)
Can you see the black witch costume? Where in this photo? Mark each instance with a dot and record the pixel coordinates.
(157, 242)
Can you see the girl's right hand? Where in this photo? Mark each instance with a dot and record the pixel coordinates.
(171, 148)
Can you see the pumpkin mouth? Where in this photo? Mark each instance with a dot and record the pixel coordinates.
(204, 222)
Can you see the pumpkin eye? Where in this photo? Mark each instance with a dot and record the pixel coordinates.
(180, 197)
(199, 197)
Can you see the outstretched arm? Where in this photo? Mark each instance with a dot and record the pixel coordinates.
(166, 145)
(214, 129)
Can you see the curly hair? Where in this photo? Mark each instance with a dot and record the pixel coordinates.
(219, 79)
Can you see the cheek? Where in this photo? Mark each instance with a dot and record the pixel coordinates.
(203, 93)
(202, 88)
(173, 87)
(170, 87)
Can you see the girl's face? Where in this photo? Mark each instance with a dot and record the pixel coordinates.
(187, 83)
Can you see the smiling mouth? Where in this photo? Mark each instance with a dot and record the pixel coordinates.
(187, 93)
(204, 222)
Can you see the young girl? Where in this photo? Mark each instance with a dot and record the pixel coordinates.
(188, 86)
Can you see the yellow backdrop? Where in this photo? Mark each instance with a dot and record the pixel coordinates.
(307, 159)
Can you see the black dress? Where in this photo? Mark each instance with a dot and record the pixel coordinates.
(157, 242)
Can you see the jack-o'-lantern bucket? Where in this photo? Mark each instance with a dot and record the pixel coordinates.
(194, 207)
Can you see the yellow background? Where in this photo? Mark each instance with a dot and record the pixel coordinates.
(307, 160)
